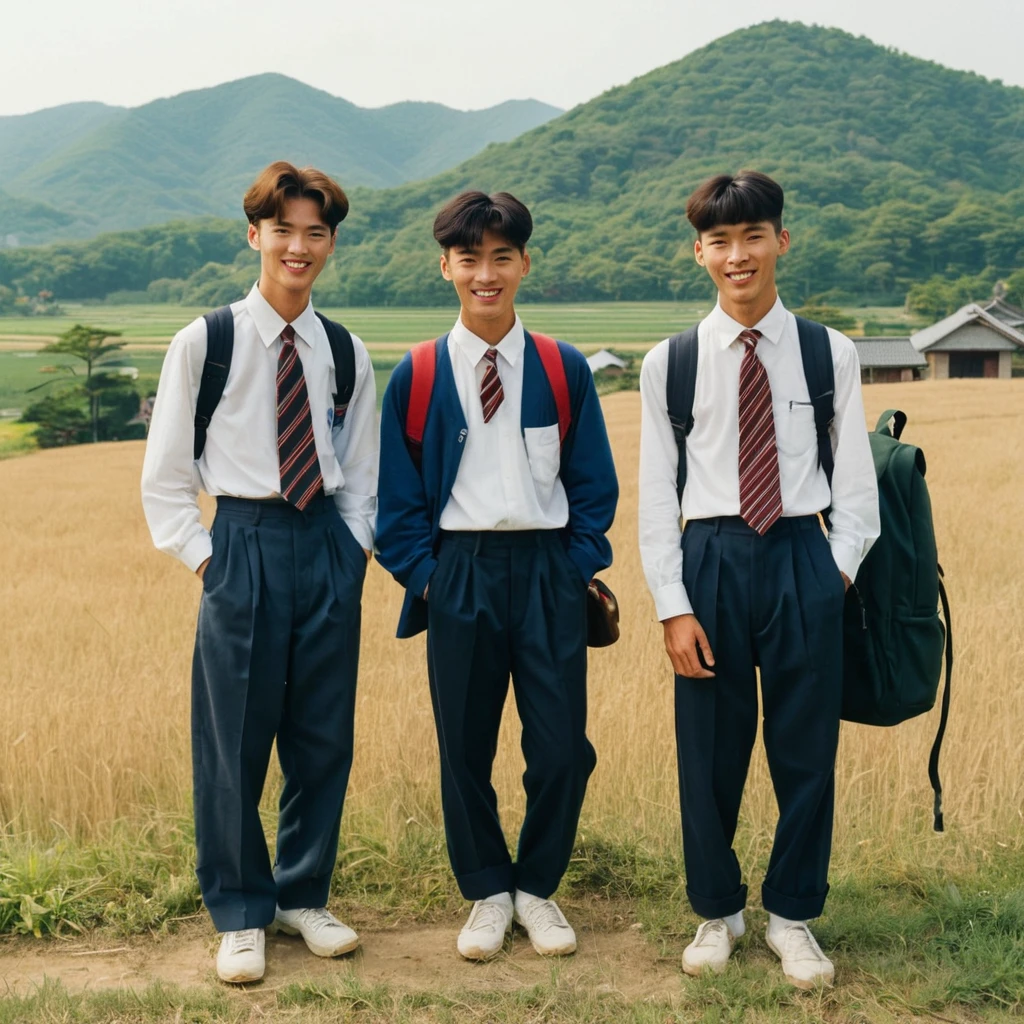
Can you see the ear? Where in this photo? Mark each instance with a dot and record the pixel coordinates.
(698, 253)
(526, 263)
(254, 237)
(446, 272)
(783, 241)
(334, 241)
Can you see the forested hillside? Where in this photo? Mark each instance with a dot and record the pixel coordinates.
(194, 154)
(897, 170)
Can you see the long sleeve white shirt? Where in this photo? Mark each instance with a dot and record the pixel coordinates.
(712, 449)
(508, 477)
(240, 457)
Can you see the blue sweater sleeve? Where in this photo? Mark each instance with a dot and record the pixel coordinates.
(404, 531)
(588, 472)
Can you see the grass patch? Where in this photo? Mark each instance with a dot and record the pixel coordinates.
(16, 438)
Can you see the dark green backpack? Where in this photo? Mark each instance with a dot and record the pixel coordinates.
(893, 639)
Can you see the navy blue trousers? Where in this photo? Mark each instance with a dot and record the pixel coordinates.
(276, 655)
(774, 603)
(500, 605)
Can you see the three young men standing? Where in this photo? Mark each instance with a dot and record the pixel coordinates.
(497, 489)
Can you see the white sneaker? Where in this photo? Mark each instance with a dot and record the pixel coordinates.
(550, 933)
(240, 957)
(710, 949)
(490, 920)
(803, 962)
(324, 933)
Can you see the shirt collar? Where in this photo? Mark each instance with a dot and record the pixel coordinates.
(269, 323)
(510, 348)
(725, 330)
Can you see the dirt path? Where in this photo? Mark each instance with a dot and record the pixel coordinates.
(413, 958)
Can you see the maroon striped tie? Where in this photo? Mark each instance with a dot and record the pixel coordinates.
(491, 393)
(760, 493)
(301, 481)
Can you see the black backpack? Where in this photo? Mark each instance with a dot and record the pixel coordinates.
(890, 673)
(220, 344)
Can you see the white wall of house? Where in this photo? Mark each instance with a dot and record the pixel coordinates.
(1005, 365)
(938, 365)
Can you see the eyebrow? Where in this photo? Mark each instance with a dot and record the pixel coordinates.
(475, 250)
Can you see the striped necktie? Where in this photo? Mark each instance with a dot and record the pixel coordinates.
(301, 481)
(491, 393)
(760, 492)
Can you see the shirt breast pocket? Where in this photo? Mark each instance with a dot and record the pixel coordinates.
(794, 428)
(544, 453)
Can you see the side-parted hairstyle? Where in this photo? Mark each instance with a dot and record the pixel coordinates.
(746, 198)
(463, 221)
(282, 181)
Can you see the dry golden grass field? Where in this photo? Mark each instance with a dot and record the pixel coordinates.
(94, 663)
(95, 788)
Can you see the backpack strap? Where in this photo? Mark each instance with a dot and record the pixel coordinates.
(220, 343)
(679, 391)
(554, 368)
(424, 369)
(820, 373)
(343, 353)
(933, 757)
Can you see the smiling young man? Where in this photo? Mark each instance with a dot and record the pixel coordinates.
(495, 528)
(294, 472)
(753, 583)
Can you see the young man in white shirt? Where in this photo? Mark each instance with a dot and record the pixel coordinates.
(754, 583)
(277, 641)
(495, 524)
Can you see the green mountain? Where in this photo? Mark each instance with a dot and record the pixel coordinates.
(194, 154)
(896, 170)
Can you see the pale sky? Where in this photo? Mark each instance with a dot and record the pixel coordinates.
(466, 55)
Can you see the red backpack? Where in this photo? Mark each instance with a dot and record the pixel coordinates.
(424, 364)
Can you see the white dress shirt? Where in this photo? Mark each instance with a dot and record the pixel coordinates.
(240, 457)
(508, 477)
(712, 449)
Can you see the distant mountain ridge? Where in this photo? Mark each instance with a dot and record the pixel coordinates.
(103, 168)
(896, 170)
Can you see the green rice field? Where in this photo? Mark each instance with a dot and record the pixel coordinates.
(387, 332)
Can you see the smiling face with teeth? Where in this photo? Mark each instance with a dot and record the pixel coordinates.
(486, 278)
(741, 260)
(293, 248)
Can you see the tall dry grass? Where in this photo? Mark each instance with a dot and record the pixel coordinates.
(97, 636)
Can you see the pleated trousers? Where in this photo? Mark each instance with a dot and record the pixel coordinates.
(773, 604)
(501, 605)
(276, 656)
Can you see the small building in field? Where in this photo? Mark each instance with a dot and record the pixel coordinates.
(607, 361)
(889, 360)
(972, 342)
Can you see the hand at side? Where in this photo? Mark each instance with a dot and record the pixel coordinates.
(683, 637)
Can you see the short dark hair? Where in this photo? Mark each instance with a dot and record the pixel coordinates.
(282, 181)
(463, 221)
(746, 198)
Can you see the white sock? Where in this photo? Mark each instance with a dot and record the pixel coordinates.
(776, 924)
(526, 898)
(734, 922)
(504, 898)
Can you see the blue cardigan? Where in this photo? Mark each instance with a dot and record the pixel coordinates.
(410, 501)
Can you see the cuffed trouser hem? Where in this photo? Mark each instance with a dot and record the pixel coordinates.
(793, 908)
(481, 884)
(304, 895)
(713, 908)
(253, 914)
